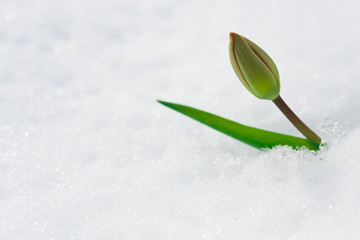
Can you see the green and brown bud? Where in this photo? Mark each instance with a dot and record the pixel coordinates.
(256, 70)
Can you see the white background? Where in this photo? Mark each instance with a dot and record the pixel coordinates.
(87, 153)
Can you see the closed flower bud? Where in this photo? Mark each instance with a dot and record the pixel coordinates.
(254, 68)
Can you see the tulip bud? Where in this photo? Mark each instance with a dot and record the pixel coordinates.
(254, 68)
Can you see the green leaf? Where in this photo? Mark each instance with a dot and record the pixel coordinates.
(255, 137)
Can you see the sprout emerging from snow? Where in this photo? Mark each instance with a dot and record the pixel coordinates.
(259, 74)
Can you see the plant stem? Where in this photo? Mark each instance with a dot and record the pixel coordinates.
(305, 130)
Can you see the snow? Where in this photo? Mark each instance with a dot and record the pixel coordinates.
(87, 153)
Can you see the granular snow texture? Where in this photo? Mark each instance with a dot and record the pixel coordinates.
(86, 152)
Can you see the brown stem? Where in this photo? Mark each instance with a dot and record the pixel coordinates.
(307, 132)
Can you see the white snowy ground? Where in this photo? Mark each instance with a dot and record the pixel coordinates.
(87, 153)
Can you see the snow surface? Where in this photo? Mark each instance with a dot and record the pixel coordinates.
(87, 153)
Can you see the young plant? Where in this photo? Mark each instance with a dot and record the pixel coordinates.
(258, 73)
